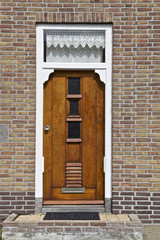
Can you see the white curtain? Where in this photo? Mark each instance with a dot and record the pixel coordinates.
(75, 47)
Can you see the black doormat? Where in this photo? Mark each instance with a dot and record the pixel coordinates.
(71, 216)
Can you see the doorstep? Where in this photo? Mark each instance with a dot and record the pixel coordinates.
(110, 226)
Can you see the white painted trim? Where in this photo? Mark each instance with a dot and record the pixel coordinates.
(102, 74)
(108, 116)
(43, 71)
(39, 117)
(86, 66)
(45, 74)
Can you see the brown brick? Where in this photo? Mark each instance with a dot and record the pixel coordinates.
(136, 91)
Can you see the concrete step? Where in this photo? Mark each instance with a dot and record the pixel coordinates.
(110, 226)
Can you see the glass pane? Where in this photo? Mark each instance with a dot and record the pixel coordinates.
(74, 55)
(73, 85)
(73, 129)
(74, 107)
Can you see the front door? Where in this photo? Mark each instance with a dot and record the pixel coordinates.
(73, 138)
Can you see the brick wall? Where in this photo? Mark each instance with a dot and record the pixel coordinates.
(136, 107)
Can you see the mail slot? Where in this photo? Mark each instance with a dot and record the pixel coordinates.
(73, 190)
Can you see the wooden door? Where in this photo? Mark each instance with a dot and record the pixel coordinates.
(73, 138)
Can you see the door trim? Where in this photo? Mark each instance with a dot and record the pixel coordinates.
(42, 75)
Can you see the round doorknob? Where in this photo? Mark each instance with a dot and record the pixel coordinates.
(46, 128)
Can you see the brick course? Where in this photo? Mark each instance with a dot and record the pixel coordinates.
(136, 95)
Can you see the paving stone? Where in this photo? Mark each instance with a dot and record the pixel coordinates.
(112, 218)
(28, 218)
(123, 218)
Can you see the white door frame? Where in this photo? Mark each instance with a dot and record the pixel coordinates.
(44, 69)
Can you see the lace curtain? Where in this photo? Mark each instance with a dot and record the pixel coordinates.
(75, 47)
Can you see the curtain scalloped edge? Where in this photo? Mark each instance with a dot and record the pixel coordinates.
(75, 39)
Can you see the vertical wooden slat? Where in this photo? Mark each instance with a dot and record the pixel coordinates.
(47, 177)
(58, 133)
(100, 138)
(47, 139)
(89, 132)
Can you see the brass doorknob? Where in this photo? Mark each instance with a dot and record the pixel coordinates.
(46, 128)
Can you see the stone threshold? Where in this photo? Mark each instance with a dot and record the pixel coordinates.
(74, 208)
(110, 226)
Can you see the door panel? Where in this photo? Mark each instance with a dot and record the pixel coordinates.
(74, 144)
(58, 195)
(73, 152)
